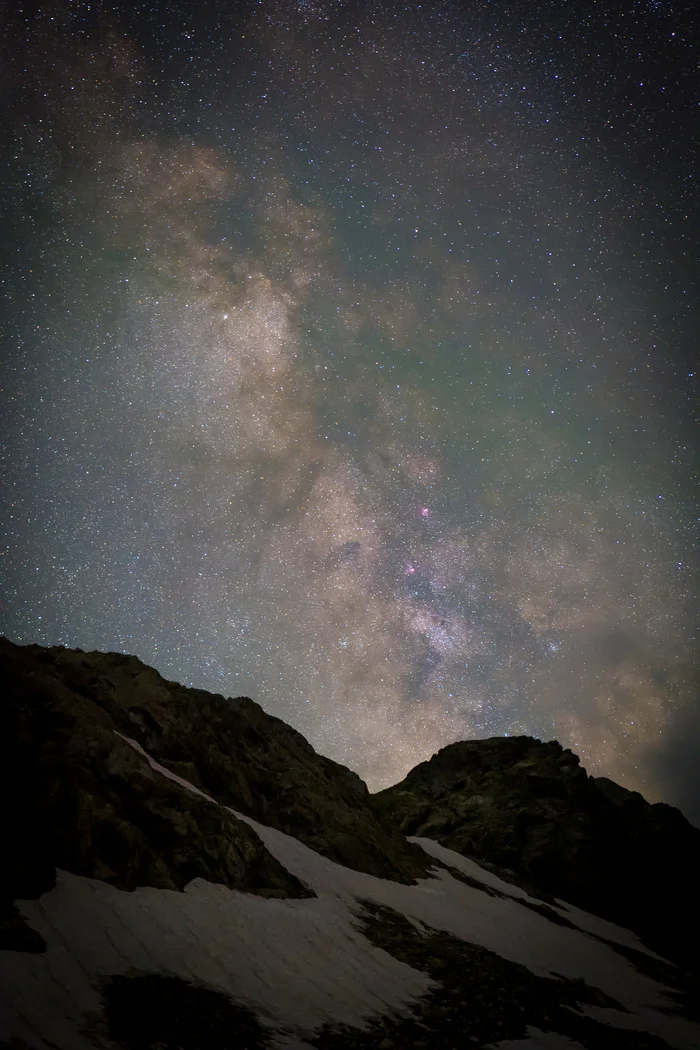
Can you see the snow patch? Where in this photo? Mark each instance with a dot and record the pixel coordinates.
(298, 964)
(583, 919)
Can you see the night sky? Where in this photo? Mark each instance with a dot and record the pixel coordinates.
(349, 363)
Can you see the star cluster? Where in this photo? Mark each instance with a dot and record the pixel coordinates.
(349, 365)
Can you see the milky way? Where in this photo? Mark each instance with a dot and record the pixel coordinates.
(349, 365)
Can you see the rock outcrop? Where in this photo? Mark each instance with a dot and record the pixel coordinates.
(181, 870)
(87, 801)
(80, 797)
(529, 808)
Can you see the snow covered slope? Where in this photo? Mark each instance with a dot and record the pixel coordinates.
(458, 959)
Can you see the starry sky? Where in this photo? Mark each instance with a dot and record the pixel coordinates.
(349, 363)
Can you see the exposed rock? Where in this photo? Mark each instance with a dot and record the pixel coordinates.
(478, 998)
(111, 955)
(83, 799)
(89, 803)
(529, 808)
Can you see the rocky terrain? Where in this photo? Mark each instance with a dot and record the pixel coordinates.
(182, 871)
(78, 782)
(529, 810)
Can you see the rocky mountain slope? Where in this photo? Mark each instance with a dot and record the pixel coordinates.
(529, 809)
(64, 721)
(181, 871)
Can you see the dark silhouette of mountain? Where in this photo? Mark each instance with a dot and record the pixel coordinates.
(65, 719)
(182, 871)
(529, 809)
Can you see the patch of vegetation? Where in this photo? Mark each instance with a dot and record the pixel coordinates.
(480, 998)
(154, 1010)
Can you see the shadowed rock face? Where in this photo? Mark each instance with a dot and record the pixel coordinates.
(95, 965)
(529, 808)
(87, 801)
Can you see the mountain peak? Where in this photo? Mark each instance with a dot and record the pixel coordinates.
(183, 870)
(529, 809)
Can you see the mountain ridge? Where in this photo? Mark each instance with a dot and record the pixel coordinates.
(230, 748)
(528, 808)
(179, 867)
